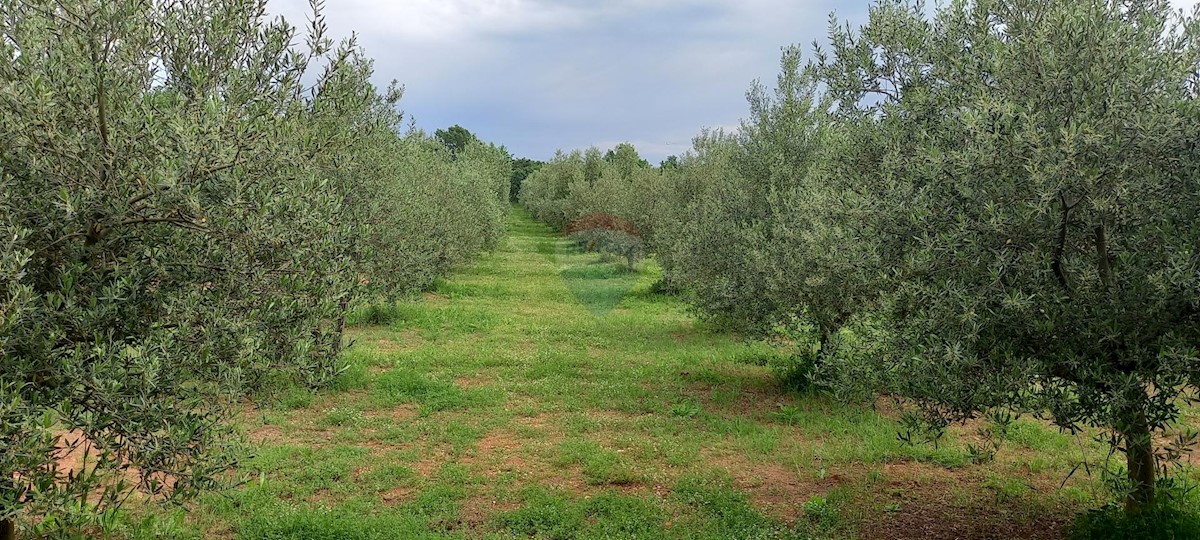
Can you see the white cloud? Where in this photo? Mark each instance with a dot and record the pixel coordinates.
(1186, 5)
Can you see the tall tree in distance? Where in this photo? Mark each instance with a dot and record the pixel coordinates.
(626, 158)
(522, 168)
(456, 138)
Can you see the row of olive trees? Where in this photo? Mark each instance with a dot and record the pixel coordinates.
(574, 185)
(189, 203)
(580, 193)
(996, 208)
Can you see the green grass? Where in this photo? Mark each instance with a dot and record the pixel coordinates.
(431, 395)
(542, 393)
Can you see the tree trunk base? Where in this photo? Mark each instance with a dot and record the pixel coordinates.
(1139, 456)
(8, 529)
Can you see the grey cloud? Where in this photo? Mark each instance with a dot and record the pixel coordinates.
(538, 75)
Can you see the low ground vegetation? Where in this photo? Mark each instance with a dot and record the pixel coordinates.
(506, 404)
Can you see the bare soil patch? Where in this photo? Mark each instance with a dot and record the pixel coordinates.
(499, 451)
(475, 511)
(472, 381)
(777, 490)
(403, 412)
(757, 393)
(921, 501)
(429, 466)
(267, 434)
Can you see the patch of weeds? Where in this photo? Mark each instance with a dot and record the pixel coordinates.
(857, 434)
(331, 524)
(295, 398)
(1076, 495)
(440, 502)
(945, 456)
(875, 477)
(342, 416)
(389, 475)
(444, 321)
(373, 314)
(749, 435)
(548, 364)
(547, 247)
(613, 515)
(455, 289)
(1006, 488)
(981, 454)
(354, 375)
(431, 395)
(544, 514)
(685, 409)
(287, 472)
(558, 516)
(662, 287)
(596, 271)
(682, 452)
(1038, 437)
(793, 371)
(167, 525)
(706, 376)
(725, 511)
(820, 510)
(600, 465)
(454, 432)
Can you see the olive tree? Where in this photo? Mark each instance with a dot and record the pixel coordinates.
(792, 155)
(1034, 185)
(143, 201)
(547, 193)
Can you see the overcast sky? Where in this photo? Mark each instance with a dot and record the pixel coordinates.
(539, 75)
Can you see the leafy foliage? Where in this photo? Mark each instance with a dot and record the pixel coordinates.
(189, 204)
(522, 169)
(608, 234)
(456, 138)
(1035, 210)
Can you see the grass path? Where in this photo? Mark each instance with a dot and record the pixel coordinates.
(535, 394)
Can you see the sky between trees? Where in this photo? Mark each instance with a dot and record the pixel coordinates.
(538, 75)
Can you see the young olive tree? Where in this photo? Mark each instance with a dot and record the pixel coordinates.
(1033, 176)
(792, 155)
(716, 249)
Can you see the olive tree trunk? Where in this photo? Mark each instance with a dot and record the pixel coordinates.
(8, 529)
(343, 309)
(1139, 455)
